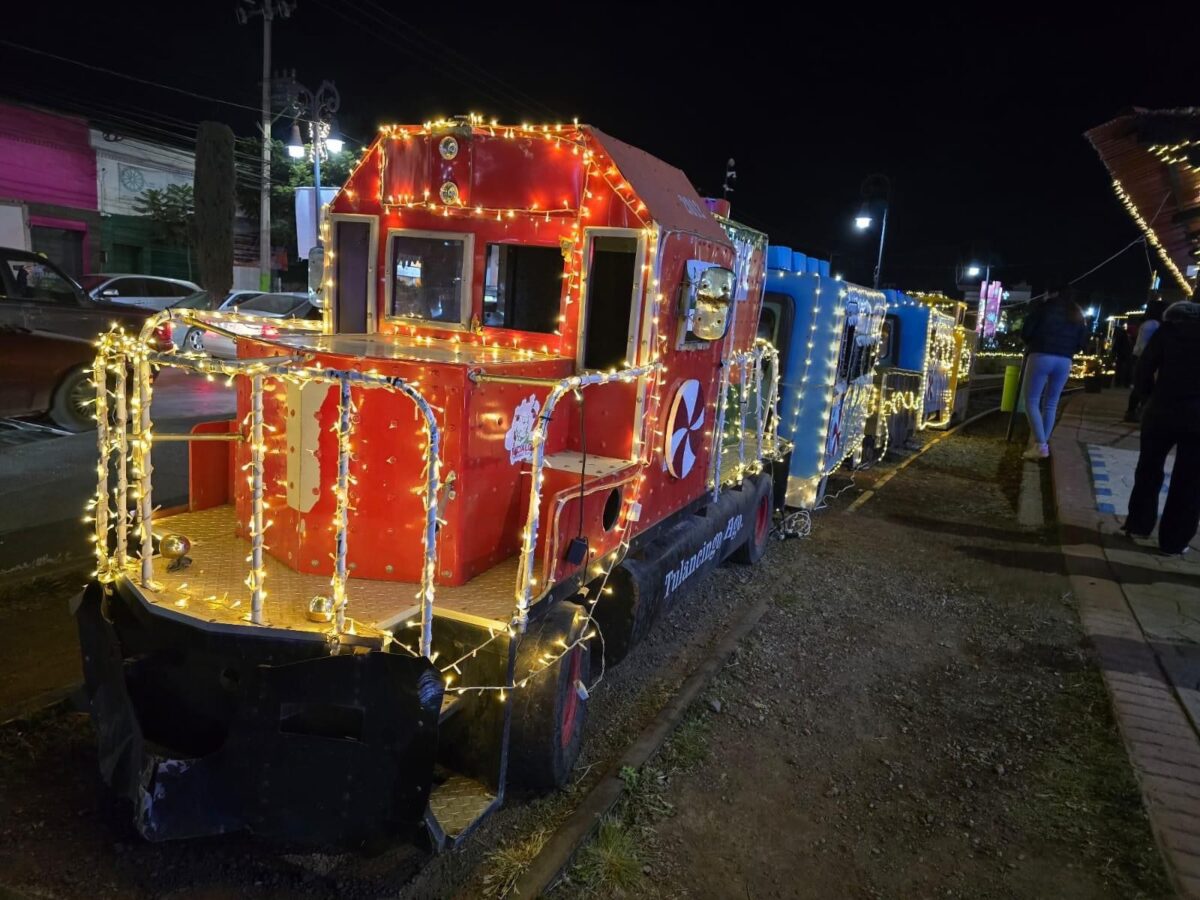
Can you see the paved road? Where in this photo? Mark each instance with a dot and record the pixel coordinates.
(47, 478)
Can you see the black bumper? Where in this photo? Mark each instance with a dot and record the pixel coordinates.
(211, 732)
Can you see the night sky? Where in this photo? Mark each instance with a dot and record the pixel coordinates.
(977, 121)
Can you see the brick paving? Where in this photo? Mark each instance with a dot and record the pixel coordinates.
(1142, 613)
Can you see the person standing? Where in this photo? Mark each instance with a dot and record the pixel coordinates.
(1168, 376)
(1054, 331)
(1154, 314)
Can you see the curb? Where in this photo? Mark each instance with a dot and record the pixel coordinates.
(553, 859)
(1145, 707)
(52, 699)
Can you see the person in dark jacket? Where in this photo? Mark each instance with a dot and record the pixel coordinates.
(1054, 331)
(1168, 375)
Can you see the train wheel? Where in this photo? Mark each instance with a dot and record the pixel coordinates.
(548, 714)
(760, 525)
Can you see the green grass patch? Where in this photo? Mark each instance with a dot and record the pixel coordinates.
(507, 864)
(610, 865)
(688, 746)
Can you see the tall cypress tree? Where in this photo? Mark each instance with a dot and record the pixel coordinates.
(216, 205)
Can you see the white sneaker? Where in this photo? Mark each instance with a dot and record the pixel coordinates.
(1037, 451)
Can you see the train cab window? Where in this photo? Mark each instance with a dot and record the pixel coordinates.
(846, 356)
(522, 287)
(889, 341)
(429, 276)
(775, 323)
(611, 279)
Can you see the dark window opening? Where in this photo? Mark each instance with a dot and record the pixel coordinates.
(775, 324)
(610, 280)
(889, 341)
(848, 355)
(522, 287)
(427, 278)
(350, 277)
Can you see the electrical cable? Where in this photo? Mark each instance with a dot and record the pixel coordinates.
(465, 62)
(208, 98)
(1133, 243)
(453, 71)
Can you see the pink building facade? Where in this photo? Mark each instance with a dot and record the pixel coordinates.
(48, 187)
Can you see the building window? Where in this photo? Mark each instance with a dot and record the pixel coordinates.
(522, 287)
(430, 276)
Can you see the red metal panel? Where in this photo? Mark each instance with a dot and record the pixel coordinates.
(406, 172)
(526, 173)
(210, 467)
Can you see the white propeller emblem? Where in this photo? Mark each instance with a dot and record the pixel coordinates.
(687, 418)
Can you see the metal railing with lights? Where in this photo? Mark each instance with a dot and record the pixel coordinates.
(125, 438)
(767, 443)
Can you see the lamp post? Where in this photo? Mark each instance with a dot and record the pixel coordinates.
(318, 109)
(876, 190)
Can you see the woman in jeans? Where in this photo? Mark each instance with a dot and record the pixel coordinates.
(1054, 331)
(1168, 375)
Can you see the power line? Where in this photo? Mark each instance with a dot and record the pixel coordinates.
(208, 98)
(465, 62)
(374, 22)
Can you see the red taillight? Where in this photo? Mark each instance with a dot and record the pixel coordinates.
(163, 334)
(270, 331)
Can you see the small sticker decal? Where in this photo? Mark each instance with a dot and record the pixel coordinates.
(518, 440)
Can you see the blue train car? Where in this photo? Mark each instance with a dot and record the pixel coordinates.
(918, 378)
(828, 336)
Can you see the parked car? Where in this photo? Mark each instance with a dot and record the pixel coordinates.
(47, 373)
(147, 291)
(236, 298)
(37, 295)
(285, 307)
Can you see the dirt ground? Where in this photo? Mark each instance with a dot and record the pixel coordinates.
(914, 716)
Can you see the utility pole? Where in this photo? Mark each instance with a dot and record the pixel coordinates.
(268, 9)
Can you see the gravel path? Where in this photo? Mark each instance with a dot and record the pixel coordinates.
(916, 716)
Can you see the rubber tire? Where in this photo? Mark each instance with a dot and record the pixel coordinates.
(625, 615)
(63, 411)
(756, 542)
(193, 334)
(541, 756)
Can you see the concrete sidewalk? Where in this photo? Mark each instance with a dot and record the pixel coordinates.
(1142, 613)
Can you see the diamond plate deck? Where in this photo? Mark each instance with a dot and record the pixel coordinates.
(213, 588)
(458, 802)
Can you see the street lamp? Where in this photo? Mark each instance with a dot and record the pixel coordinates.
(876, 191)
(319, 109)
(296, 143)
(973, 271)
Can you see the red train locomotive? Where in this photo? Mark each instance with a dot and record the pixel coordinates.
(537, 409)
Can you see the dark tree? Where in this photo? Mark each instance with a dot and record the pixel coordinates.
(216, 205)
